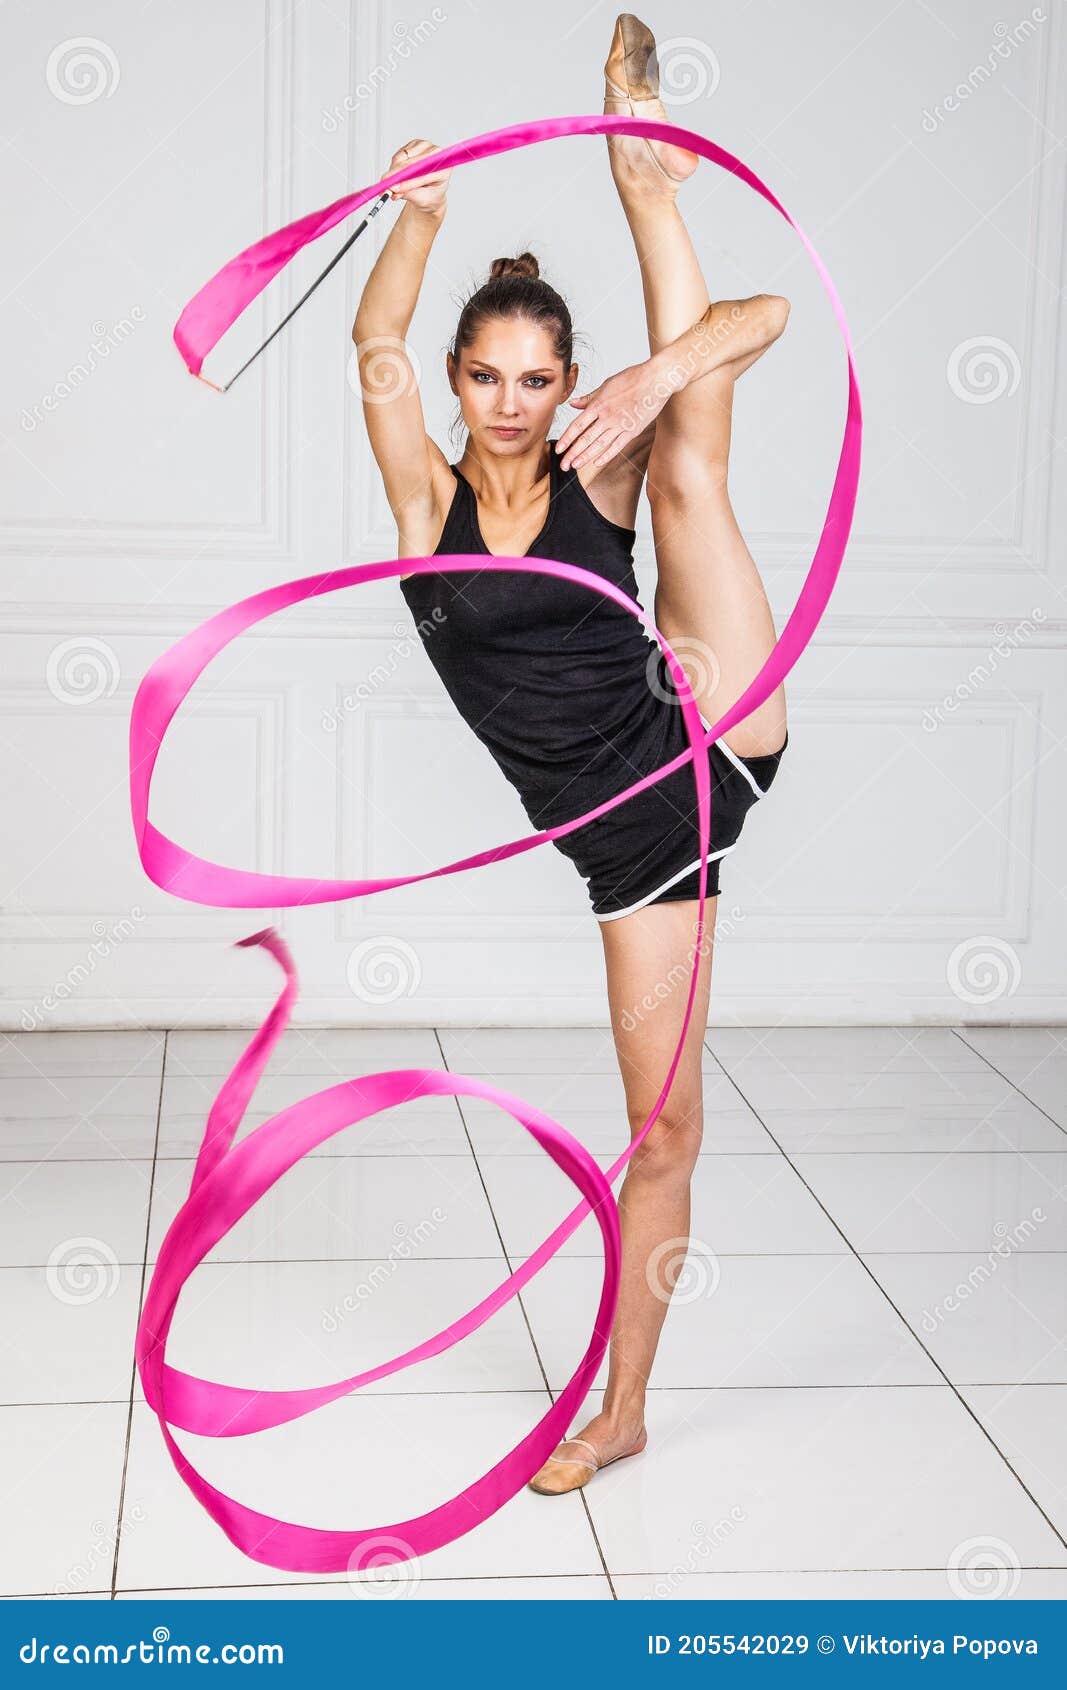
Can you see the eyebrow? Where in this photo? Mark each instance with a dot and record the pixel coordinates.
(493, 369)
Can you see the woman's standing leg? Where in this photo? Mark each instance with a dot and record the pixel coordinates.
(648, 957)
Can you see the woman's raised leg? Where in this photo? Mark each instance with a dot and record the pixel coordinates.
(710, 602)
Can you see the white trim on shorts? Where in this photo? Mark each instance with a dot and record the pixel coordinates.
(613, 915)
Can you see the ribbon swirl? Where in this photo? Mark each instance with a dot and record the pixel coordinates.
(229, 1178)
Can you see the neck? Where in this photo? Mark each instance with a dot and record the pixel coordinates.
(506, 482)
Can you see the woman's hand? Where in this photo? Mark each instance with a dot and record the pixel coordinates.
(615, 413)
(429, 193)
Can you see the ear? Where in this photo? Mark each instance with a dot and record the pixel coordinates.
(570, 381)
(450, 371)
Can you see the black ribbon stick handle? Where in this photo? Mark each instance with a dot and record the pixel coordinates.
(383, 199)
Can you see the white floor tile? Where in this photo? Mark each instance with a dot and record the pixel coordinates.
(748, 1052)
(509, 1050)
(914, 1202)
(1028, 1584)
(741, 1321)
(740, 1204)
(966, 1092)
(988, 1318)
(728, 1130)
(1047, 1089)
(48, 1210)
(325, 1053)
(290, 1325)
(361, 1461)
(1012, 1126)
(345, 1207)
(60, 1475)
(585, 1587)
(68, 1337)
(1017, 1051)
(1033, 1058)
(78, 1117)
(428, 1126)
(765, 1480)
(1027, 1422)
(77, 1054)
(562, 1093)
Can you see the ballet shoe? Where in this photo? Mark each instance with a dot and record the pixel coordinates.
(631, 88)
(564, 1484)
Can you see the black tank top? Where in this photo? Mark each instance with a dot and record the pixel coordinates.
(563, 686)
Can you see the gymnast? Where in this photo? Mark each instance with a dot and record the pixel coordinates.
(570, 696)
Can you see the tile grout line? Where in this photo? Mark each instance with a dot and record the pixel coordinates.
(959, 1032)
(518, 1297)
(140, 1307)
(986, 1433)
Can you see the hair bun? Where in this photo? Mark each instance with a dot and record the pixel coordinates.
(524, 265)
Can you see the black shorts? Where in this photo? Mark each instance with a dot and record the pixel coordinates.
(647, 851)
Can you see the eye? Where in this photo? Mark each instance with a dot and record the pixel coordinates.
(478, 375)
(540, 381)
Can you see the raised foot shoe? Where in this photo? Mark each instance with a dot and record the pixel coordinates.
(631, 88)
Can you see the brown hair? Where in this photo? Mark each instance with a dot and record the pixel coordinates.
(516, 288)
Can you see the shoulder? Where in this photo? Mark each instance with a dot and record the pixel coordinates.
(614, 489)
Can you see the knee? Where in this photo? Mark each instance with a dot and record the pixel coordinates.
(668, 1154)
(683, 479)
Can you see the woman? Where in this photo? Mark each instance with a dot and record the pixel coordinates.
(570, 695)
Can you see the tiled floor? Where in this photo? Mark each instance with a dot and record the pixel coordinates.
(861, 1390)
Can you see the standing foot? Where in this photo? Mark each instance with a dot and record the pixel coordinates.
(600, 1442)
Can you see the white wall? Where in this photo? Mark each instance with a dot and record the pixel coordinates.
(906, 844)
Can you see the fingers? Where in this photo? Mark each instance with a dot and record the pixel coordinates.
(408, 154)
(591, 448)
(574, 428)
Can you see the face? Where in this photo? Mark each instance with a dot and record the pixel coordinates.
(509, 383)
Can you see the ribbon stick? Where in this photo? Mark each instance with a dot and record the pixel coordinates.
(230, 1178)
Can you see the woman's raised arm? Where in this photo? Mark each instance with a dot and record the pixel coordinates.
(389, 386)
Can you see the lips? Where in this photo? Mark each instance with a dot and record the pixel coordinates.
(507, 433)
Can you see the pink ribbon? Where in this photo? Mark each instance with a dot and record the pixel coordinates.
(229, 1178)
